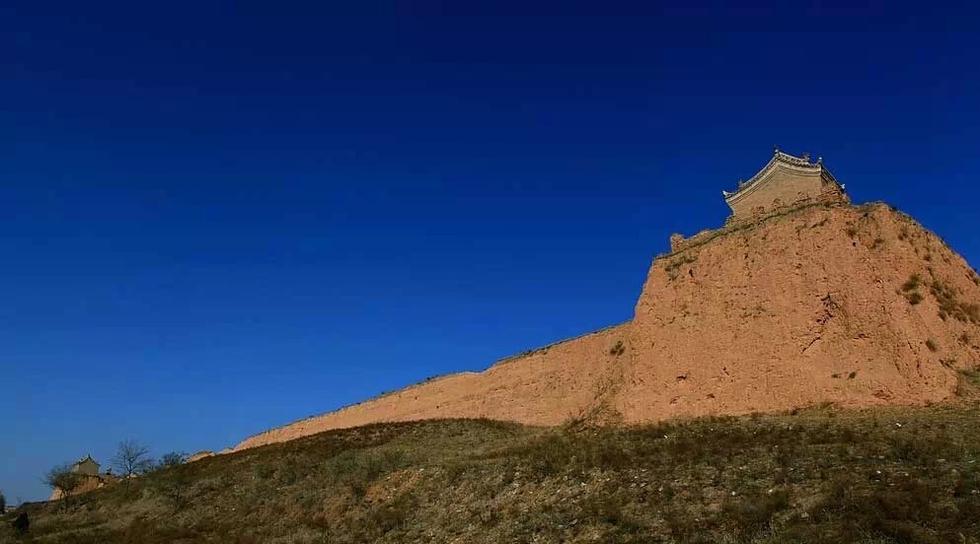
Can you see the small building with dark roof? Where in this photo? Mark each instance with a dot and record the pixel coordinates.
(86, 466)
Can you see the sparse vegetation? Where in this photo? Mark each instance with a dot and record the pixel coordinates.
(173, 459)
(851, 231)
(932, 345)
(172, 487)
(674, 265)
(949, 305)
(910, 289)
(743, 226)
(617, 349)
(912, 283)
(972, 376)
(819, 476)
(62, 479)
(878, 243)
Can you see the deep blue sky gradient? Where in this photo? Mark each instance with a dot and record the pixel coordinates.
(218, 218)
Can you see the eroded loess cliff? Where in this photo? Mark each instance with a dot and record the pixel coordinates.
(855, 306)
(851, 305)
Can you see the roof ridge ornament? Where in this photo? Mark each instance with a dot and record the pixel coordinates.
(801, 163)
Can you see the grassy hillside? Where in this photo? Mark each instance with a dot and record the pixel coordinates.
(821, 475)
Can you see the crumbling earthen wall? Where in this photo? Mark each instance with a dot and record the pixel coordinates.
(830, 196)
(808, 307)
(87, 483)
(823, 303)
(543, 387)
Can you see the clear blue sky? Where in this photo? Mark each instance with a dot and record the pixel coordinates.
(218, 218)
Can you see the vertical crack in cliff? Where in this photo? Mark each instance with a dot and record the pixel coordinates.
(829, 310)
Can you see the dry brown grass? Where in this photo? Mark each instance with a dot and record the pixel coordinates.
(820, 475)
(950, 305)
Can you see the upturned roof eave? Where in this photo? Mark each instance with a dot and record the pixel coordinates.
(778, 158)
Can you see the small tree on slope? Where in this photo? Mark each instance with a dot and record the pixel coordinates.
(62, 479)
(132, 458)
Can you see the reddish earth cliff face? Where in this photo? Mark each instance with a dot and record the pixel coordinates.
(813, 306)
(856, 306)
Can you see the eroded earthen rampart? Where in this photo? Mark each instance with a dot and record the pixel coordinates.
(823, 302)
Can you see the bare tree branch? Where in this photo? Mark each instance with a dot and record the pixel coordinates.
(173, 459)
(132, 458)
